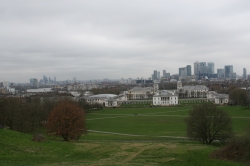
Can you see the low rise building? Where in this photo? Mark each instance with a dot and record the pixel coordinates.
(192, 91)
(165, 98)
(107, 100)
(216, 98)
(140, 93)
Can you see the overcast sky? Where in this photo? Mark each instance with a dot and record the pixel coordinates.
(96, 39)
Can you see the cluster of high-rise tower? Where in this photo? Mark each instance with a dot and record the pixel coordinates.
(202, 70)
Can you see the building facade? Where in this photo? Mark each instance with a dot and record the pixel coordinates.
(165, 98)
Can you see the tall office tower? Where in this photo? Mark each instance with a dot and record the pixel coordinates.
(203, 68)
(189, 71)
(155, 75)
(74, 79)
(210, 67)
(34, 82)
(196, 68)
(54, 79)
(221, 73)
(44, 79)
(49, 80)
(158, 75)
(244, 73)
(183, 73)
(164, 73)
(228, 70)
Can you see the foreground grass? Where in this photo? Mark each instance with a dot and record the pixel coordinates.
(18, 149)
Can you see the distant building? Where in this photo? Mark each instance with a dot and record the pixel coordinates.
(164, 73)
(196, 68)
(196, 91)
(107, 100)
(165, 98)
(139, 93)
(158, 75)
(189, 70)
(167, 75)
(228, 70)
(203, 68)
(184, 72)
(154, 77)
(218, 98)
(244, 73)
(34, 83)
(122, 81)
(129, 81)
(210, 68)
(221, 73)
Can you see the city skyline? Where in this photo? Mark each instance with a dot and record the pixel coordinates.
(120, 39)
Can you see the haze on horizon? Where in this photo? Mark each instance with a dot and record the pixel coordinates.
(119, 39)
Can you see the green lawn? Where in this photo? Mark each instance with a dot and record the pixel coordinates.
(150, 123)
(18, 149)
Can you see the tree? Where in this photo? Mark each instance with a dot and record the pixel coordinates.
(66, 120)
(239, 96)
(206, 122)
(10, 109)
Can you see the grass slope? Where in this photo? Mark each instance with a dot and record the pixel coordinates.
(18, 149)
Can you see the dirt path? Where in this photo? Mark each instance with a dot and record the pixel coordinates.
(134, 135)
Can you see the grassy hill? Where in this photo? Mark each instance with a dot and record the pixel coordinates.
(18, 149)
(143, 147)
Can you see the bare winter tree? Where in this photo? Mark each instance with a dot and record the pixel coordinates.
(206, 122)
(67, 119)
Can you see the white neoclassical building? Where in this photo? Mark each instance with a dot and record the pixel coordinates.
(218, 98)
(194, 91)
(165, 98)
(140, 93)
(107, 100)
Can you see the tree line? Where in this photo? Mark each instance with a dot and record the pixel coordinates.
(25, 114)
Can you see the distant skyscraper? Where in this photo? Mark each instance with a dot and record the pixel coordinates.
(228, 70)
(158, 75)
(184, 72)
(164, 73)
(155, 75)
(196, 68)
(210, 67)
(74, 79)
(244, 73)
(34, 82)
(203, 68)
(54, 79)
(221, 73)
(189, 70)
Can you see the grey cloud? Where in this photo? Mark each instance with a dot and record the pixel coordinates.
(97, 39)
